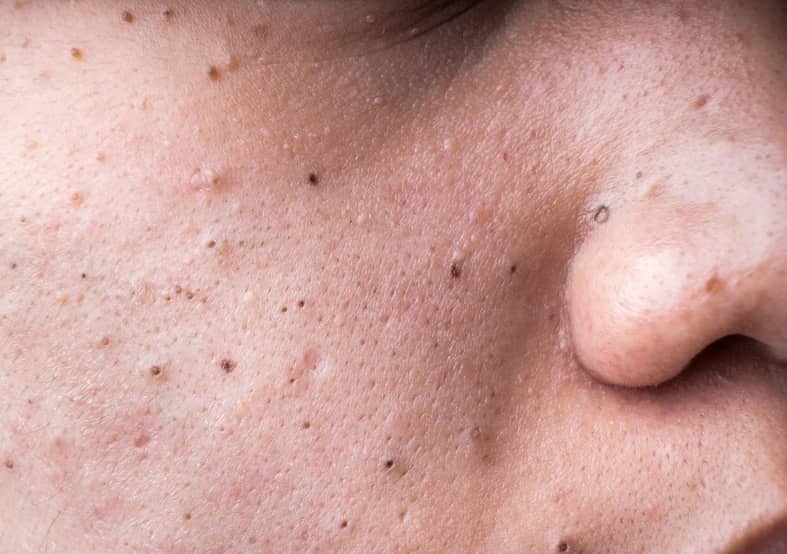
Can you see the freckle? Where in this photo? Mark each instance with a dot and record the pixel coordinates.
(284, 309)
(168, 13)
(344, 524)
(84, 275)
(77, 199)
(141, 440)
(638, 175)
(306, 424)
(127, 16)
(2, 58)
(9, 464)
(301, 303)
(187, 516)
(456, 271)
(213, 73)
(178, 289)
(513, 269)
(601, 215)
(155, 370)
(210, 243)
(76, 53)
(714, 285)
(13, 266)
(189, 295)
(100, 156)
(32, 145)
(105, 341)
(314, 179)
(701, 101)
(228, 365)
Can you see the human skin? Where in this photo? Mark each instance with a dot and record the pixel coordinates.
(291, 277)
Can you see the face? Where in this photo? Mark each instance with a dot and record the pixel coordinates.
(324, 276)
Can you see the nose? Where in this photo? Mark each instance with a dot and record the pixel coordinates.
(678, 259)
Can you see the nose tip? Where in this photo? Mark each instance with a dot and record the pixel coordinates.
(662, 279)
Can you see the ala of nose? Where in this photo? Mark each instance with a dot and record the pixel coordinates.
(680, 264)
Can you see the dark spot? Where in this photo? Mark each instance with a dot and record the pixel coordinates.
(638, 175)
(13, 266)
(76, 53)
(301, 303)
(513, 268)
(314, 179)
(213, 73)
(127, 16)
(701, 101)
(187, 516)
(389, 464)
(284, 309)
(105, 341)
(344, 524)
(714, 285)
(505, 156)
(141, 440)
(9, 464)
(211, 243)
(306, 424)
(456, 270)
(155, 370)
(601, 215)
(189, 295)
(178, 289)
(228, 365)
(84, 275)
(562, 546)
(168, 13)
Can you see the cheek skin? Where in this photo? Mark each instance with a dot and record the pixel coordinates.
(223, 335)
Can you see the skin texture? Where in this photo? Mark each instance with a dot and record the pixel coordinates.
(376, 276)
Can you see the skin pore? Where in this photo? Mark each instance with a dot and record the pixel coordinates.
(376, 275)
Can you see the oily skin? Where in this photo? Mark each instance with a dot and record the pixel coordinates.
(292, 278)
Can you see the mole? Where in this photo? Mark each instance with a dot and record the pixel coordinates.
(76, 53)
(456, 271)
(168, 13)
(213, 73)
(314, 179)
(228, 365)
(127, 16)
(155, 370)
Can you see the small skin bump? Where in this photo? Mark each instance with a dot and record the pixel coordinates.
(601, 215)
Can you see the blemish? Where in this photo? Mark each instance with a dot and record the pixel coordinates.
(475, 433)
(714, 285)
(2, 58)
(512, 269)
(284, 309)
(9, 464)
(701, 101)
(562, 546)
(13, 265)
(306, 425)
(127, 16)
(210, 244)
(638, 175)
(204, 178)
(601, 215)
(77, 199)
(314, 179)
(505, 156)
(84, 276)
(233, 63)
(301, 303)
(141, 440)
(100, 156)
(31, 145)
(344, 524)
(187, 516)
(213, 73)
(104, 341)
(76, 53)
(228, 365)
(389, 464)
(456, 270)
(370, 19)
(168, 13)
(155, 370)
